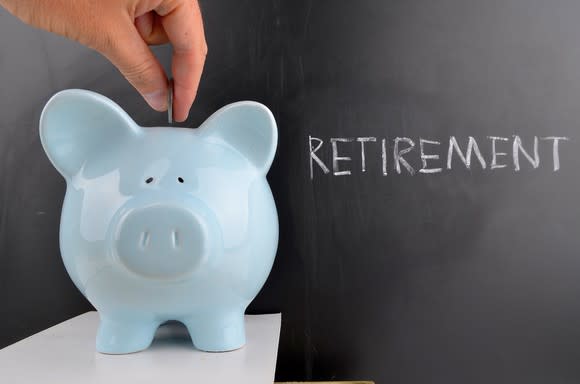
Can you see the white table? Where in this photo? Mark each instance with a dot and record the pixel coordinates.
(66, 354)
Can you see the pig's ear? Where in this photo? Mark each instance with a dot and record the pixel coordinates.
(249, 128)
(76, 125)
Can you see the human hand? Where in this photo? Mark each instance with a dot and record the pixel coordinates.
(121, 30)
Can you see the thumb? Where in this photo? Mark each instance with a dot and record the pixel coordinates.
(127, 50)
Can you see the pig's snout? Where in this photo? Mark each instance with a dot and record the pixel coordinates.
(163, 241)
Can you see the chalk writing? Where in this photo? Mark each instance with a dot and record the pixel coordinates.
(428, 153)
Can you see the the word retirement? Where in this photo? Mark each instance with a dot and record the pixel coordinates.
(404, 150)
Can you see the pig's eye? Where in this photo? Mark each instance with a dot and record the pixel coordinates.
(149, 180)
(180, 179)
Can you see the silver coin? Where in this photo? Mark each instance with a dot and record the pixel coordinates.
(170, 102)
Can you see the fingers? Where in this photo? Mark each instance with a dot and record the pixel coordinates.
(183, 25)
(150, 29)
(122, 30)
(127, 50)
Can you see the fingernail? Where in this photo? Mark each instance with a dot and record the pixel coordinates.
(182, 119)
(157, 100)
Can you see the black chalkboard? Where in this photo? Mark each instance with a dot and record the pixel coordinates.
(458, 275)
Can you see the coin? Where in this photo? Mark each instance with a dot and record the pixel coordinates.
(170, 102)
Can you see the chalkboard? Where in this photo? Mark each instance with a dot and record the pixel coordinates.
(450, 255)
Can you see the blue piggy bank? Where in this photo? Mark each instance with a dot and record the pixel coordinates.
(164, 223)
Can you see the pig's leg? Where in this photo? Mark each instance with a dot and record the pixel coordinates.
(217, 331)
(125, 334)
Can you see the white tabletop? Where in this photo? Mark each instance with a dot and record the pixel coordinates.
(66, 354)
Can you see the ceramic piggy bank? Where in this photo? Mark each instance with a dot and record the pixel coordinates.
(164, 223)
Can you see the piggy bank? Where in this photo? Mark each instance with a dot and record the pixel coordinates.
(164, 223)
